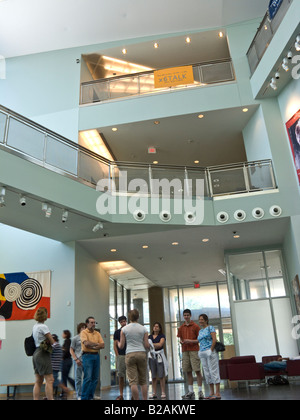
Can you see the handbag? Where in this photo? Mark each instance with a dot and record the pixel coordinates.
(29, 345)
(219, 347)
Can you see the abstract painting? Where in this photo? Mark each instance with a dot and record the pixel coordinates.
(22, 293)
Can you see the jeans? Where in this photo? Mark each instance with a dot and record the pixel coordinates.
(78, 372)
(66, 367)
(91, 370)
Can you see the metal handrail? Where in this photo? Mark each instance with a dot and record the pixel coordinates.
(205, 173)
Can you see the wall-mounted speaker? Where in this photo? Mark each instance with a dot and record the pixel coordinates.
(139, 215)
(165, 216)
(258, 213)
(275, 211)
(240, 215)
(189, 217)
(222, 217)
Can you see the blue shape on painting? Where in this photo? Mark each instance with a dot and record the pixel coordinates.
(16, 277)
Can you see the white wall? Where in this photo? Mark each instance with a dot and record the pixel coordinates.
(92, 299)
(23, 251)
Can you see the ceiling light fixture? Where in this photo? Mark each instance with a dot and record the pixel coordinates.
(155, 162)
(113, 250)
(285, 64)
(245, 110)
(196, 161)
(48, 212)
(114, 129)
(175, 243)
(205, 240)
(188, 40)
(145, 246)
(2, 195)
(124, 51)
(273, 83)
(156, 122)
(22, 200)
(221, 34)
(297, 43)
(289, 55)
(200, 116)
(156, 45)
(97, 227)
(64, 216)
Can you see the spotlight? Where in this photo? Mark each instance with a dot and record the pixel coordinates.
(2, 195)
(297, 44)
(277, 75)
(97, 227)
(289, 55)
(44, 206)
(48, 212)
(64, 216)
(22, 200)
(285, 64)
(273, 84)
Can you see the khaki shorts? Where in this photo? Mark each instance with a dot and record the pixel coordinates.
(190, 361)
(136, 367)
(121, 366)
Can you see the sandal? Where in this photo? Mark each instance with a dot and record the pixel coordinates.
(120, 398)
(152, 396)
(163, 396)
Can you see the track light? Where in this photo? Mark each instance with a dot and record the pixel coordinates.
(289, 55)
(97, 227)
(277, 75)
(22, 200)
(48, 212)
(273, 83)
(2, 195)
(44, 206)
(285, 64)
(297, 44)
(64, 216)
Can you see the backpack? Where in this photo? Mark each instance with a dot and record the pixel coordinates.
(29, 345)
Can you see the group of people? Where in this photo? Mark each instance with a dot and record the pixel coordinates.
(136, 351)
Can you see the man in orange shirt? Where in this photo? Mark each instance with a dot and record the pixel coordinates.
(91, 343)
(190, 359)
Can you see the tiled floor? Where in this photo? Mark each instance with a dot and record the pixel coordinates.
(174, 392)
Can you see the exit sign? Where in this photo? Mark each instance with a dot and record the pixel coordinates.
(151, 150)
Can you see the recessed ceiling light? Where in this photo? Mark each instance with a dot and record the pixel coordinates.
(145, 246)
(156, 45)
(245, 110)
(175, 243)
(205, 240)
(155, 162)
(236, 236)
(156, 122)
(221, 34)
(114, 129)
(188, 40)
(200, 116)
(113, 250)
(196, 161)
(124, 51)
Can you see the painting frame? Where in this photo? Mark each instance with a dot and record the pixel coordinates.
(293, 130)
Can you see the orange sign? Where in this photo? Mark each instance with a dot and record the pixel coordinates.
(174, 76)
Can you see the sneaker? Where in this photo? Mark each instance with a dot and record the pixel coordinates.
(188, 396)
(201, 395)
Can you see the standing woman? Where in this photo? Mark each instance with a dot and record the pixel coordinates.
(157, 361)
(67, 360)
(136, 337)
(41, 358)
(209, 357)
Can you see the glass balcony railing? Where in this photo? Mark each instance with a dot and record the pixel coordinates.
(264, 35)
(143, 83)
(35, 143)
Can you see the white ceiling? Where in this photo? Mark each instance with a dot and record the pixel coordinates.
(33, 26)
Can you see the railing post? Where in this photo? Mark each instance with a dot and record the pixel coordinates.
(6, 129)
(246, 177)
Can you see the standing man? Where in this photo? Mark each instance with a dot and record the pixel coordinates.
(190, 359)
(120, 356)
(76, 353)
(91, 342)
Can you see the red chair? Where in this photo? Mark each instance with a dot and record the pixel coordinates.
(223, 364)
(245, 368)
(293, 367)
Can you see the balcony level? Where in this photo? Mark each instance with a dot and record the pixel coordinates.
(54, 187)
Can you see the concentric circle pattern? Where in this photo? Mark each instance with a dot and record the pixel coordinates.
(31, 294)
(12, 292)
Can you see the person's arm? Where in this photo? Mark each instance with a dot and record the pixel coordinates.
(49, 337)
(121, 343)
(146, 342)
(214, 340)
(160, 344)
(74, 357)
